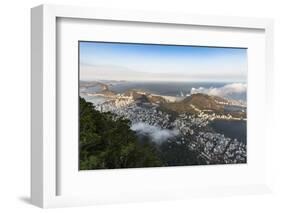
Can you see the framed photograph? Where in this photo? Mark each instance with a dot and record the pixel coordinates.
(129, 106)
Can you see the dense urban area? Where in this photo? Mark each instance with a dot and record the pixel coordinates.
(179, 130)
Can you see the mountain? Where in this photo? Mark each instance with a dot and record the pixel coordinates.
(87, 84)
(205, 102)
(145, 97)
(196, 102)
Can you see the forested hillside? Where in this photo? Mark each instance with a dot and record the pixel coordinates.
(107, 142)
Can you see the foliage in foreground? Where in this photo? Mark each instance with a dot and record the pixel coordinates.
(107, 142)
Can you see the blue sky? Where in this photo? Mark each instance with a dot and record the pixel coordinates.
(120, 61)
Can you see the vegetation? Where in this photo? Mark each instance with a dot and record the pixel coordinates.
(211, 104)
(107, 142)
(200, 101)
(173, 154)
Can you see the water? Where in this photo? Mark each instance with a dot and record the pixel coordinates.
(163, 88)
(96, 100)
(234, 109)
(232, 129)
(176, 89)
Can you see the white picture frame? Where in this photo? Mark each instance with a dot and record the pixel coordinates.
(44, 154)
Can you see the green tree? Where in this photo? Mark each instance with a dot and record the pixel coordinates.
(107, 142)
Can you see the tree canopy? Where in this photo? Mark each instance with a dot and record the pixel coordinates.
(107, 142)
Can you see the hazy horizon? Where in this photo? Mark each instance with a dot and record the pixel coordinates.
(151, 62)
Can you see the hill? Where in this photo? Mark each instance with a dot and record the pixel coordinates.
(88, 84)
(106, 142)
(143, 96)
(197, 101)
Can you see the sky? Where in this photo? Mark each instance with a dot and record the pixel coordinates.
(151, 62)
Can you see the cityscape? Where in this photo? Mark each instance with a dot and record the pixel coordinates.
(156, 122)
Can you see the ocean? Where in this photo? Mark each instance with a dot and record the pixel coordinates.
(164, 88)
(231, 128)
(234, 91)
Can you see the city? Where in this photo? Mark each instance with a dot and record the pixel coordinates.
(193, 128)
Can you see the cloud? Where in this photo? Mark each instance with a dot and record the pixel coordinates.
(157, 134)
(227, 90)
